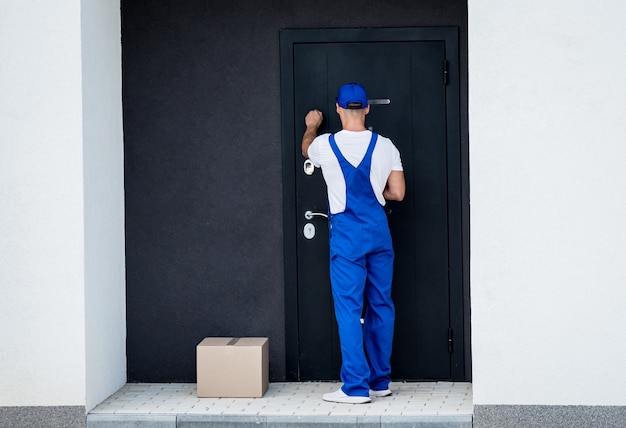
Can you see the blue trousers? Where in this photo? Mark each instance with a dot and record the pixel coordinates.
(362, 266)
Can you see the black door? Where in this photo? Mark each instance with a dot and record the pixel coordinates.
(408, 75)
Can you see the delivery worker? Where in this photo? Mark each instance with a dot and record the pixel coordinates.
(362, 170)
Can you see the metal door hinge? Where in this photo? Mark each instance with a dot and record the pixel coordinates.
(445, 72)
(450, 340)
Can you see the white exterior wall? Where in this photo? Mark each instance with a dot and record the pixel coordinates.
(42, 339)
(547, 114)
(103, 154)
(61, 253)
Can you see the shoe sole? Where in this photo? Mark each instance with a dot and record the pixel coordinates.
(384, 393)
(348, 400)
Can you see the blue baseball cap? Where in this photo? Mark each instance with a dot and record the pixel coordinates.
(352, 96)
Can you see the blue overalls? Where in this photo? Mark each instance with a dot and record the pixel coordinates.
(361, 262)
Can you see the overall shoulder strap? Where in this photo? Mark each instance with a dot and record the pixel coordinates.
(333, 145)
(366, 162)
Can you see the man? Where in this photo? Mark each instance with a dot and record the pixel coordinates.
(361, 170)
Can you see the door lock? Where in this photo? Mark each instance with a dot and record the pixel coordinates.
(309, 231)
(310, 214)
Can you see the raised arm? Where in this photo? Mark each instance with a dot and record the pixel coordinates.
(396, 187)
(312, 120)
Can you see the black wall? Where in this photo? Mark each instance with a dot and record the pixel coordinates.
(204, 231)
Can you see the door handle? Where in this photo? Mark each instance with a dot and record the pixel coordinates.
(310, 214)
(379, 101)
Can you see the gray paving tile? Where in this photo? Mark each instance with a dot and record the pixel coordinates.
(220, 421)
(441, 421)
(130, 421)
(312, 421)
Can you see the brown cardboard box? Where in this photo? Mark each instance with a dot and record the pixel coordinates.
(233, 367)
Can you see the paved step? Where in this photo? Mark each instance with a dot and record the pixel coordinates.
(288, 404)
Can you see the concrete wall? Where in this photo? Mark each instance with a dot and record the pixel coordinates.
(547, 103)
(42, 339)
(61, 211)
(103, 155)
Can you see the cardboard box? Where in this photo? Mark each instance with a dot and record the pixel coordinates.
(233, 367)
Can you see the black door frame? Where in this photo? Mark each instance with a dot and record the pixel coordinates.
(459, 299)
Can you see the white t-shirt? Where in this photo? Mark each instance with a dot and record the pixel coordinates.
(353, 145)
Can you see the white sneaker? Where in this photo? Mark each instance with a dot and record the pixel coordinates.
(341, 397)
(381, 393)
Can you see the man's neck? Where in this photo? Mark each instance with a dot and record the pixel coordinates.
(355, 126)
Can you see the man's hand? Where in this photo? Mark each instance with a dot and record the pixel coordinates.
(312, 120)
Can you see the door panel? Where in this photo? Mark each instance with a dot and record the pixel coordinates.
(410, 74)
